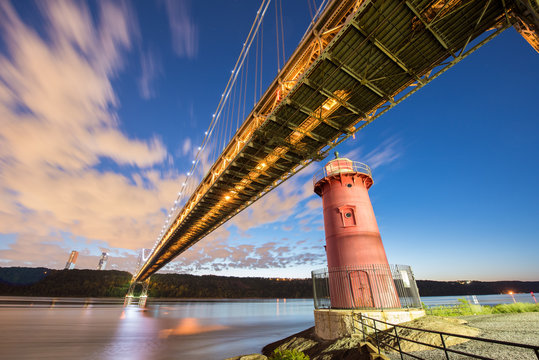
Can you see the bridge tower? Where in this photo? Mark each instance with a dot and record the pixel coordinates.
(359, 273)
(130, 297)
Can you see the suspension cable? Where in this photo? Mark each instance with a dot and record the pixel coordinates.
(277, 37)
(282, 30)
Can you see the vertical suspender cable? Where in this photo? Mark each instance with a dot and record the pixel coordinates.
(282, 30)
(261, 58)
(190, 182)
(277, 37)
(256, 71)
(245, 92)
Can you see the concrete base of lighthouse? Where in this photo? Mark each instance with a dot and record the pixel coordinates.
(331, 324)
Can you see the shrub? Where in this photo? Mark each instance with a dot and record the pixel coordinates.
(292, 354)
(514, 308)
(464, 308)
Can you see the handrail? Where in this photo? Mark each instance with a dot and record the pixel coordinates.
(343, 166)
(441, 333)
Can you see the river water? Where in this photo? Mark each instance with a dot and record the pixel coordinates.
(76, 328)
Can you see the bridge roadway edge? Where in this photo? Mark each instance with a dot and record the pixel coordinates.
(316, 150)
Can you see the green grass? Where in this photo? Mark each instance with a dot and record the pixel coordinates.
(464, 308)
(291, 354)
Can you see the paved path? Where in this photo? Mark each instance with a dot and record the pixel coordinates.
(520, 328)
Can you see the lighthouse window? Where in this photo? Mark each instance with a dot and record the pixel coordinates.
(349, 185)
(347, 215)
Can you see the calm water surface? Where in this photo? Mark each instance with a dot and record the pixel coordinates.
(43, 328)
(71, 328)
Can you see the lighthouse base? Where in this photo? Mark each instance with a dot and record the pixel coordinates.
(332, 324)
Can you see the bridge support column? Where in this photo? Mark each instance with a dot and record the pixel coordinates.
(141, 299)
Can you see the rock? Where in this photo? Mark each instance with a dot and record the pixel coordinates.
(249, 357)
(345, 348)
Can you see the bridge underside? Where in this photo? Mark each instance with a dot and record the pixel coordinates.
(381, 53)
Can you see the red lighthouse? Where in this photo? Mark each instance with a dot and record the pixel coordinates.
(359, 274)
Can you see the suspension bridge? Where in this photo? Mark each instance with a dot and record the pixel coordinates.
(357, 60)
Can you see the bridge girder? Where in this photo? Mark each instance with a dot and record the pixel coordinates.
(371, 56)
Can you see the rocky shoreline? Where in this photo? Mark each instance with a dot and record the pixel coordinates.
(345, 348)
(518, 328)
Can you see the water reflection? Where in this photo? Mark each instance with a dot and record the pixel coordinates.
(64, 328)
(190, 326)
(95, 329)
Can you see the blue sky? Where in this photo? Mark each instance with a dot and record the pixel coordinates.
(103, 106)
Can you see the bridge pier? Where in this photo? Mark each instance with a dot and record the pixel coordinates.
(141, 299)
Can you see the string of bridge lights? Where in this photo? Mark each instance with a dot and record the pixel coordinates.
(215, 118)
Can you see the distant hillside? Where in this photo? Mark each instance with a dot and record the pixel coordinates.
(210, 286)
(20, 281)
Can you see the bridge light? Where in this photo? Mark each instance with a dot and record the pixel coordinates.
(205, 132)
(188, 174)
(199, 148)
(193, 161)
(329, 104)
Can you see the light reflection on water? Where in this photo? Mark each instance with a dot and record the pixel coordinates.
(103, 329)
(67, 328)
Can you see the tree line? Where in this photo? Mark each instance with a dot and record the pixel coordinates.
(22, 281)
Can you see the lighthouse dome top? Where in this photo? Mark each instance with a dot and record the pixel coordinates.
(341, 165)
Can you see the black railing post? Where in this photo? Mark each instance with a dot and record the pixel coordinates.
(398, 341)
(363, 327)
(376, 335)
(443, 345)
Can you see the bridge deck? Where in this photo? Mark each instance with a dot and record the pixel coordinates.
(367, 57)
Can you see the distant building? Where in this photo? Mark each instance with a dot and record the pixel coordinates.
(72, 260)
(103, 261)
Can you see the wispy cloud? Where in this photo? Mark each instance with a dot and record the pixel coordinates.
(216, 253)
(58, 123)
(150, 70)
(388, 151)
(182, 27)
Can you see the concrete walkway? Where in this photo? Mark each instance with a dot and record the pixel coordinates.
(519, 328)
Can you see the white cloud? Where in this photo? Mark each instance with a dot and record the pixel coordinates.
(58, 122)
(385, 153)
(182, 27)
(150, 69)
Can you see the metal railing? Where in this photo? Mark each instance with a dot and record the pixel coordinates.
(386, 339)
(374, 286)
(341, 165)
